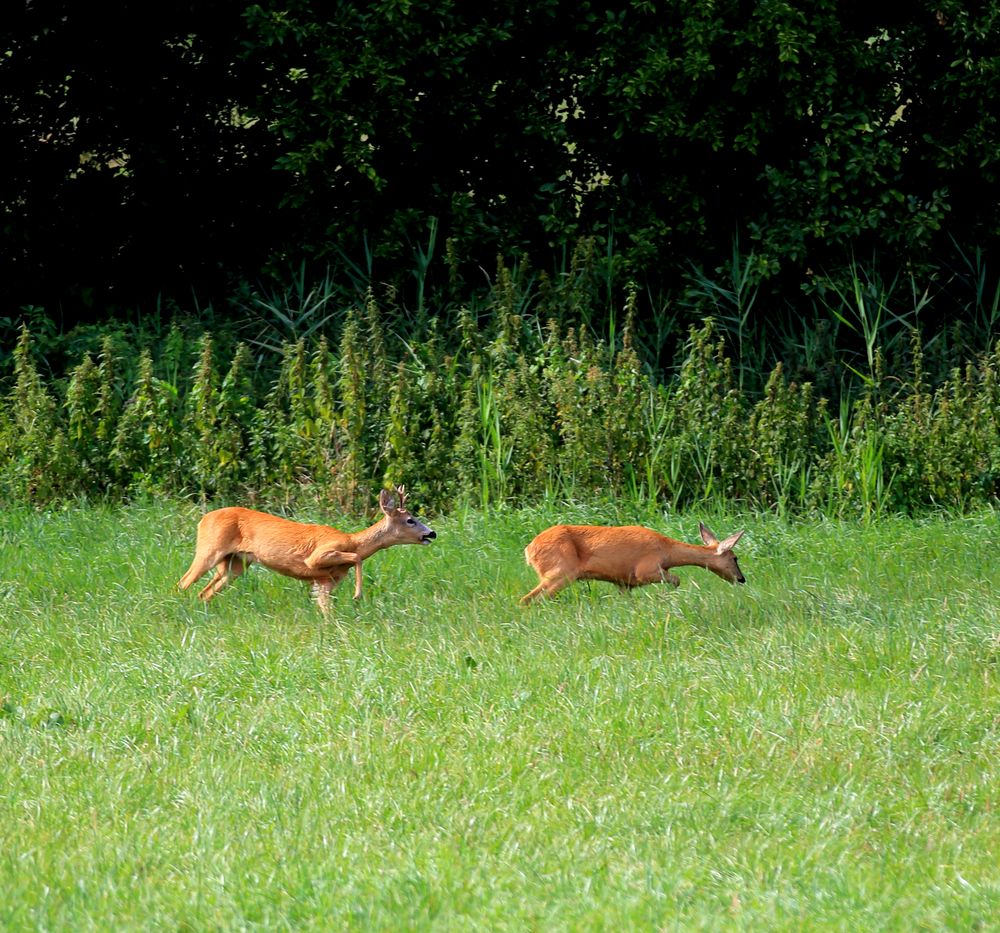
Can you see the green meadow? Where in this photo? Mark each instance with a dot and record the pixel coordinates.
(818, 749)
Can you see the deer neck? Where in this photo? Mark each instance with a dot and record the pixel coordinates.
(683, 554)
(367, 542)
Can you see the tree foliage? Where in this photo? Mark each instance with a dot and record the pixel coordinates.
(162, 148)
(133, 168)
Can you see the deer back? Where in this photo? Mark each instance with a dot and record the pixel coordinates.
(595, 552)
(275, 542)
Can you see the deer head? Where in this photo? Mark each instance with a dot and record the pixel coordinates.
(401, 525)
(723, 562)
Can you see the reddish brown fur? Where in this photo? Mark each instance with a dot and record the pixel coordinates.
(231, 539)
(627, 556)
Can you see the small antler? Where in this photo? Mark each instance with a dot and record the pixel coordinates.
(401, 493)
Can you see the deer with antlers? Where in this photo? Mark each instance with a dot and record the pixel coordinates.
(628, 556)
(231, 539)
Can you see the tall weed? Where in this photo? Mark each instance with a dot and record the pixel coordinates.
(513, 401)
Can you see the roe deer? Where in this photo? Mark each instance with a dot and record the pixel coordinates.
(233, 538)
(628, 556)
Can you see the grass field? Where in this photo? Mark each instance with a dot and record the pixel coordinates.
(819, 749)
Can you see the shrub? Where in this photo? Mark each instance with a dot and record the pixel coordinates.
(518, 411)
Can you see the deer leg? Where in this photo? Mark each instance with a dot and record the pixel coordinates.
(323, 586)
(548, 587)
(207, 593)
(203, 559)
(322, 559)
(321, 593)
(652, 571)
(229, 568)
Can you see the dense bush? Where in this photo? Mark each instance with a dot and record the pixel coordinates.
(518, 410)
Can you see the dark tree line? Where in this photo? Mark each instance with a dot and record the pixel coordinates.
(178, 147)
(129, 174)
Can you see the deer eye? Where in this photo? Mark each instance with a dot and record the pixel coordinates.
(411, 521)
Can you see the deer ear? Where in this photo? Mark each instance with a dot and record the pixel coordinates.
(706, 535)
(730, 542)
(387, 501)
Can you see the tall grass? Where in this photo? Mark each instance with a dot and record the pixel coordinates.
(504, 424)
(515, 399)
(815, 750)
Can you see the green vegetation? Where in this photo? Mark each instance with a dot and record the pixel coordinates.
(513, 401)
(231, 142)
(257, 305)
(816, 749)
(261, 307)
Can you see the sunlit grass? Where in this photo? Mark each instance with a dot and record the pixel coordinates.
(817, 749)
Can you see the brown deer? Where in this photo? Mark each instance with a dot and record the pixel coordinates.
(628, 556)
(233, 538)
